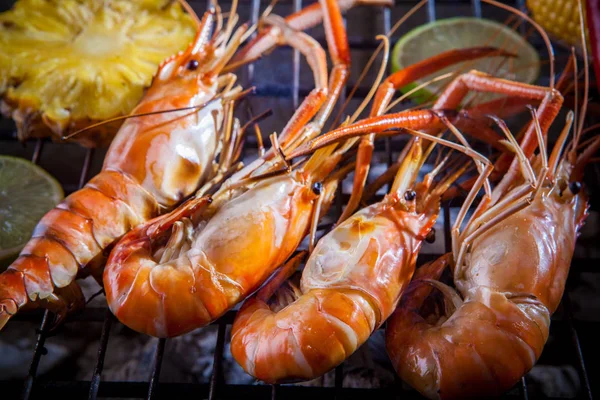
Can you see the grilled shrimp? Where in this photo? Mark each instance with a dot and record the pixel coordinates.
(156, 160)
(205, 268)
(510, 270)
(182, 270)
(350, 285)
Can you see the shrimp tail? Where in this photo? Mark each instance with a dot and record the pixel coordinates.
(125, 273)
(13, 295)
(447, 354)
(28, 284)
(69, 242)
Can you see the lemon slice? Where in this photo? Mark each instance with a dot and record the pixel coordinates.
(27, 192)
(463, 32)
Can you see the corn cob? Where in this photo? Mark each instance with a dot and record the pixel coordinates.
(560, 18)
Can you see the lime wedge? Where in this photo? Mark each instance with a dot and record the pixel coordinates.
(463, 32)
(27, 192)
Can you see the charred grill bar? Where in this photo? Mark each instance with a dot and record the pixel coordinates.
(31, 387)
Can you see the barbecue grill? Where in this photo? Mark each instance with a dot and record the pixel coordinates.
(570, 336)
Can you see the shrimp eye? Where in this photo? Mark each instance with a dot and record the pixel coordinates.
(430, 238)
(410, 195)
(575, 187)
(192, 65)
(317, 188)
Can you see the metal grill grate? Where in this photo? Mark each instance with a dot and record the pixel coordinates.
(31, 387)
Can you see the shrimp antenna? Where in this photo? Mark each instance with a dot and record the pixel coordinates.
(122, 117)
(236, 97)
(277, 148)
(417, 88)
(219, 15)
(587, 154)
(378, 79)
(586, 72)
(232, 18)
(367, 67)
(575, 85)
(351, 142)
(269, 9)
(257, 118)
(186, 6)
(579, 113)
(541, 31)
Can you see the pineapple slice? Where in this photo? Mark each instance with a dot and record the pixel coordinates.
(65, 64)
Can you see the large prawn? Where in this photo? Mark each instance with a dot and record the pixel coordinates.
(351, 283)
(156, 160)
(510, 265)
(182, 270)
(510, 268)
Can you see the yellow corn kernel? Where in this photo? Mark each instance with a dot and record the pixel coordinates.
(560, 18)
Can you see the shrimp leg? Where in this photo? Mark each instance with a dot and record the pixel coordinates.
(321, 99)
(317, 60)
(383, 97)
(327, 96)
(306, 18)
(448, 100)
(496, 212)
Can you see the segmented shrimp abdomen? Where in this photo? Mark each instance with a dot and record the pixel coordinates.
(13, 294)
(486, 346)
(69, 241)
(92, 218)
(164, 299)
(305, 339)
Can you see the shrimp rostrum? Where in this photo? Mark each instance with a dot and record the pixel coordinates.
(352, 280)
(183, 270)
(509, 267)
